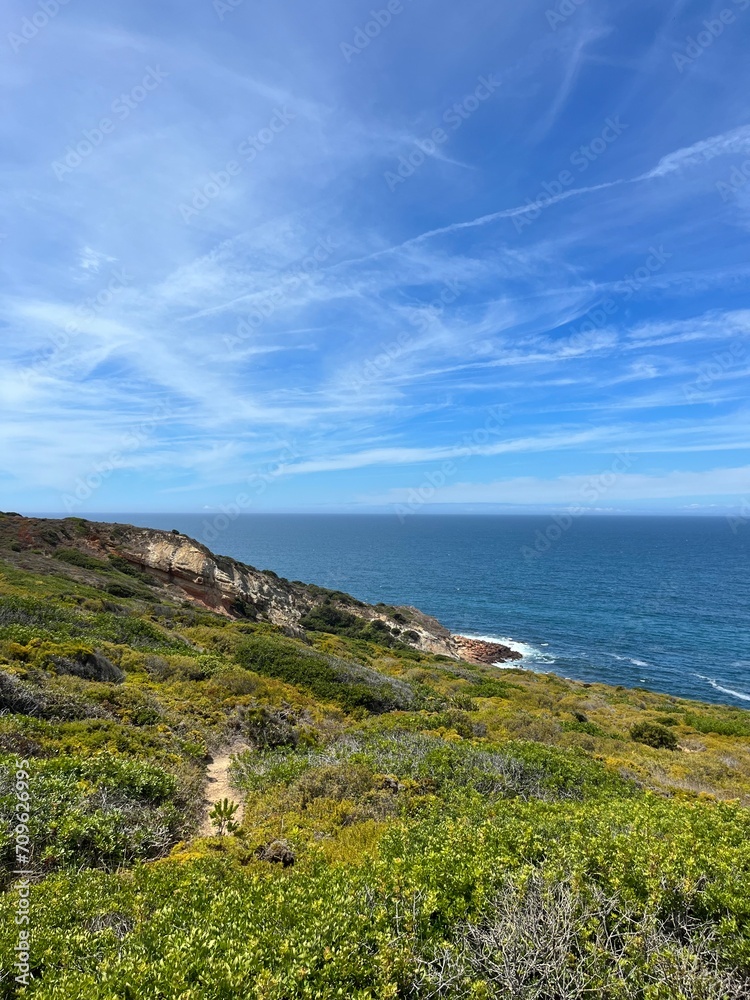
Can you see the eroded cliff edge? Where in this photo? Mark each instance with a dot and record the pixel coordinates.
(185, 569)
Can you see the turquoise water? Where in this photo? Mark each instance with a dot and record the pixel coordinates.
(655, 602)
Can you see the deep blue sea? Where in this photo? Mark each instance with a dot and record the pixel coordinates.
(655, 602)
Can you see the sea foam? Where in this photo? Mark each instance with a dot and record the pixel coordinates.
(527, 651)
(724, 690)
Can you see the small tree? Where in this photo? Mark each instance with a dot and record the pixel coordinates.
(222, 817)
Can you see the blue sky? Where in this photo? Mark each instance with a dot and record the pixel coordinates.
(294, 256)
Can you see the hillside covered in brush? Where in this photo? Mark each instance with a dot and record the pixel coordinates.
(244, 787)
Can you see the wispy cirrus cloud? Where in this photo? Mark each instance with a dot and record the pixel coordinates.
(305, 301)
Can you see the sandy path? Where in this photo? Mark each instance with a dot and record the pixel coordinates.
(218, 787)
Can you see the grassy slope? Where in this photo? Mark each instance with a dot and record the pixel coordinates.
(457, 831)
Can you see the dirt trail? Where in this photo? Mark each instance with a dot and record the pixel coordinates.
(218, 787)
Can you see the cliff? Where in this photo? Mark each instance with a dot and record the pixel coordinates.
(185, 569)
(163, 767)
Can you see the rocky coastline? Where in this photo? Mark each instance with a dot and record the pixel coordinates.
(483, 651)
(184, 569)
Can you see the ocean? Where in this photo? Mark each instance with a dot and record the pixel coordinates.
(656, 602)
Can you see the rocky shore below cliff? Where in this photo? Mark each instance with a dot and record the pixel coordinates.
(181, 568)
(483, 651)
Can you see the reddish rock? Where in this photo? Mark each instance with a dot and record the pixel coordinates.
(481, 651)
(183, 568)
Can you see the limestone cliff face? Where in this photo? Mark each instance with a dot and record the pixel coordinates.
(219, 583)
(185, 569)
(237, 590)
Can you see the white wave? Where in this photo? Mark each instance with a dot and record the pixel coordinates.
(527, 651)
(724, 690)
(629, 659)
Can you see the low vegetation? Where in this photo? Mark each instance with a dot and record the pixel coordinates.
(330, 617)
(412, 826)
(654, 735)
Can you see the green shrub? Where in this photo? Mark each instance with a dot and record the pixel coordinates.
(22, 698)
(525, 770)
(328, 617)
(95, 811)
(74, 557)
(332, 781)
(464, 702)
(531, 930)
(654, 735)
(123, 566)
(131, 704)
(90, 665)
(628, 900)
(455, 719)
(268, 728)
(122, 589)
(17, 613)
(351, 685)
(731, 725)
(487, 687)
(23, 619)
(79, 525)
(668, 720)
(222, 817)
(227, 681)
(575, 726)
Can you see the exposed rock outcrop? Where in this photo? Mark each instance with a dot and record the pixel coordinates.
(278, 852)
(185, 569)
(482, 651)
(90, 667)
